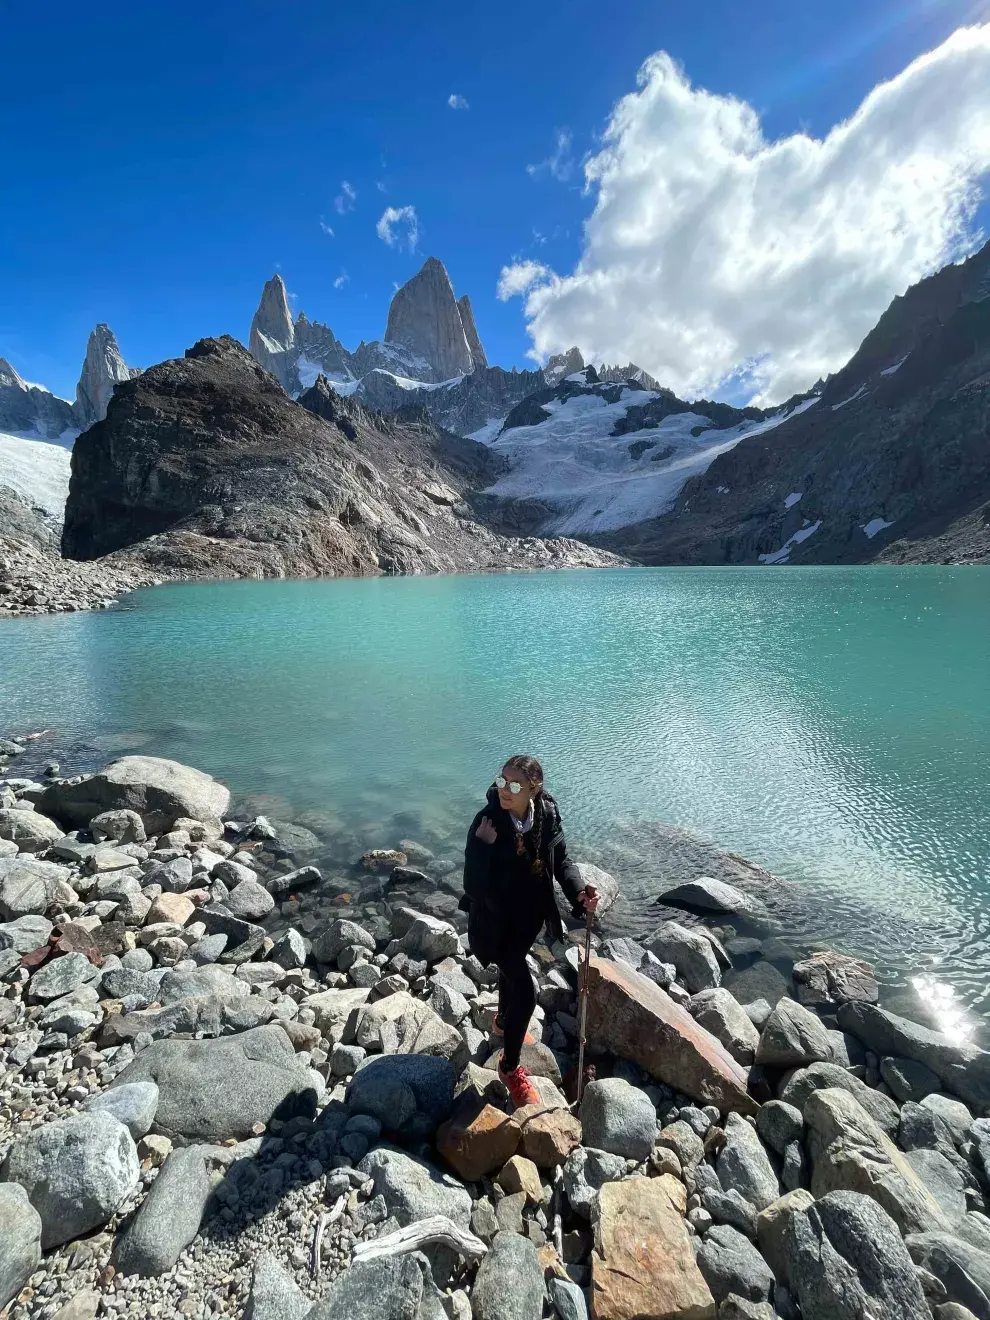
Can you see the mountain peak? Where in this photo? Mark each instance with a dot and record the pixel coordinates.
(478, 357)
(103, 368)
(273, 334)
(424, 317)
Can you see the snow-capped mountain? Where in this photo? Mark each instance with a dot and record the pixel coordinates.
(33, 410)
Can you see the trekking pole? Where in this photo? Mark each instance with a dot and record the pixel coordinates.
(583, 1010)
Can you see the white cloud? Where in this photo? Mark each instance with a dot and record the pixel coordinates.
(712, 252)
(458, 102)
(345, 199)
(326, 228)
(341, 280)
(560, 163)
(394, 216)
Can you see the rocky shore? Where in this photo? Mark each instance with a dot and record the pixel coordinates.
(214, 1103)
(36, 580)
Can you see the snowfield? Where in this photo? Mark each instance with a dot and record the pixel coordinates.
(591, 478)
(37, 471)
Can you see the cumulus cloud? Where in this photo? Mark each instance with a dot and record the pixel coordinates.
(457, 102)
(713, 253)
(560, 163)
(394, 218)
(345, 199)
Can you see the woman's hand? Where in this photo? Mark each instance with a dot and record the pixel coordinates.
(486, 831)
(588, 898)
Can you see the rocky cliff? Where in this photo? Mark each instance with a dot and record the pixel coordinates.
(102, 370)
(273, 336)
(30, 408)
(892, 463)
(478, 358)
(425, 318)
(204, 466)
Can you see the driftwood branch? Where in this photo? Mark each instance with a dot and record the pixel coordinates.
(326, 1220)
(425, 1232)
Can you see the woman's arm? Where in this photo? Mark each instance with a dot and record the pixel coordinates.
(568, 877)
(477, 862)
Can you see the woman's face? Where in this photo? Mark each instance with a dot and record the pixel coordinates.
(517, 803)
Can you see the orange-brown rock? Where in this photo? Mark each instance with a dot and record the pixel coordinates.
(475, 1142)
(548, 1135)
(643, 1264)
(634, 1018)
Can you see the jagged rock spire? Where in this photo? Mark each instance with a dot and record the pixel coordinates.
(103, 368)
(478, 357)
(273, 334)
(424, 317)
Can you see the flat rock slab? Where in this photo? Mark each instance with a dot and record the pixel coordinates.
(160, 791)
(169, 1216)
(27, 887)
(210, 1090)
(831, 978)
(708, 895)
(634, 1018)
(643, 1263)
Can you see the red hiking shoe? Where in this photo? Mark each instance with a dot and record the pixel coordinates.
(519, 1085)
(499, 1030)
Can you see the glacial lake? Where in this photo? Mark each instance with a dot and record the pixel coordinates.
(830, 724)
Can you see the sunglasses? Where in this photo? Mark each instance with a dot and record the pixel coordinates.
(513, 785)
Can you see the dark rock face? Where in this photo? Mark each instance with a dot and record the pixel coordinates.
(463, 406)
(204, 466)
(898, 437)
(26, 407)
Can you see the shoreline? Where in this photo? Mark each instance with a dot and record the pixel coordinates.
(320, 1115)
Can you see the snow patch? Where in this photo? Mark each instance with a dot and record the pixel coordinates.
(782, 555)
(852, 399)
(37, 471)
(889, 371)
(793, 498)
(875, 525)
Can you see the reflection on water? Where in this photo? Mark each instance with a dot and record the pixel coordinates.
(831, 724)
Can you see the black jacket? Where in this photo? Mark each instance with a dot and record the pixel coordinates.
(498, 925)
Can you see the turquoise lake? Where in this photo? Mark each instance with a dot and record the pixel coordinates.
(831, 724)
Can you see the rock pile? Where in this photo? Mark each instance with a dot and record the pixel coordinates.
(200, 1117)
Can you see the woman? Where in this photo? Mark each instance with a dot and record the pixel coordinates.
(515, 850)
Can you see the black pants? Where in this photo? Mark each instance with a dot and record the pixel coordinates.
(516, 1001)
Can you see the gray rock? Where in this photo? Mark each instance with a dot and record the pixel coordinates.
(250, 900)
(923, 1129)
(586, 1171)
(449, 1004)
(274, 1295)
(731, 1264)
(120, 826)
(397, 1286)
(953, 1113)
(214, 1089)
(683, 1141)
(743, 1164)
(76, 1172)
(800, 1085)
(567, 1299)
(121, 982)
(908, 1079)
(27, 887)
(690, 953)
(845, 1258)
(509, 1284)
(160, 791)
(430, 940)
(618, 1118)
(134, 1105)
(708, 895)
(30, 830)
(20, 1234)
(413, 1189)
(208, 949)
(209, 980)
(339, 935)
(402, 1024)
(169, 1216)
(793, 1037)
(761, 980)
(718, 1011)
(964, 1270)
(410, 1094)
(298, 879)
(26, 933)
(175, 877)
(60, 976)
(345, 1060)
(758, 1011)
(779, 1124)
(424, 318)
(740, 1308)
(289, 950)
(942, 1178)
(730, 1208)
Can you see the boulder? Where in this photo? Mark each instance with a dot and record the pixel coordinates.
(635, 1018)
(413, 1189)
(509, 1283)
(548, 1135)
(27, 887)
(708, 895)
(175, 908)
(720, 1012)
(643, 1264)
(828, 978)
(30, 830)
(210, 1090)
(175, 876)
(340, 935)
(20, 1234)
(521, 1175)
(619, 1118)
(845, 1258)
(851, 1153)
(793, 1037)
(134, 1105)
(399, 1286)
(336, 1013)
(779, 1123)
(159, 791)
(274, 1294)
(907, 1079)
(537, 1057)
(402, 1024)
(430, 940)
(250, 900)
(773, 1227)
(690, 952)
(732, 1265)
(410, 1094)
(210, 980)
(289, 950)
(953, 1113)
(25, 933)
(605, 883)
(964, 1069)
(744, 1166)
(76, 1172)
(586, 1171)
(121, 826)
(168, 1218)
(803, 1083)
(60, 976)
(478, 1140)
(942, 1178)
(964, 1270)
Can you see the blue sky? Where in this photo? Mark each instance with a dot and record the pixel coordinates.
(162, 160)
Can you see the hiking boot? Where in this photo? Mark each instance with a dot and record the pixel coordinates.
(520, 1086)
(499, 1030)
